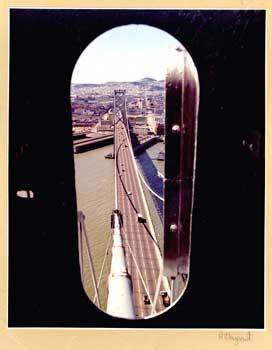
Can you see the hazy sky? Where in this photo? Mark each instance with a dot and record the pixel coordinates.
(125, 53)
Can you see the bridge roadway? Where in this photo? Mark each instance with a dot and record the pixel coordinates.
(140, 246)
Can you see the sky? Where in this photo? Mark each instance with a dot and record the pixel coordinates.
(125, 53)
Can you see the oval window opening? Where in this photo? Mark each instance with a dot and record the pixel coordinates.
(134, 97)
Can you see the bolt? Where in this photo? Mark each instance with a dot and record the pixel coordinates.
(176, 129)
(173, 227)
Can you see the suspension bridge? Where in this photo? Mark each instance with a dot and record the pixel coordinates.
(143, 279)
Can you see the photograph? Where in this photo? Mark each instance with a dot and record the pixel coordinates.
(136, 168)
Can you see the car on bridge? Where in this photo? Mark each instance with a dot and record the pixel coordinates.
(165, 298)
(141, 219)
(146, 300)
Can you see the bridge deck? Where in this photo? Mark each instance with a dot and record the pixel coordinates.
(140, 247)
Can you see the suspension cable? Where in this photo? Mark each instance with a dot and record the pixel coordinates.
(80, 247)
(130, 200)
(90, 259)
(102, 268)
(157, 290)
(139, 272)
(141, 177)
(159, 281)
(147, 186)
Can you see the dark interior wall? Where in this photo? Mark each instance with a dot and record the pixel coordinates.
(226, 285)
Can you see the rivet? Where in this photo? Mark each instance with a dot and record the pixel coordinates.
(176, 129)
(173, 227)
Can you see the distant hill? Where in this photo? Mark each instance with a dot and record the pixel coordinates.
(148, 80)
(84, 85)
(145, 84)
(142, 81)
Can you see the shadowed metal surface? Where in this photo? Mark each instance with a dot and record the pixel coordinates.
(182, 98)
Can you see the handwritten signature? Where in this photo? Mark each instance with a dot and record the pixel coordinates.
(235, 338)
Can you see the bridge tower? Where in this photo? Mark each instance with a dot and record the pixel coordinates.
(119, 105)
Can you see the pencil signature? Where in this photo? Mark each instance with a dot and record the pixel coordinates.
(235, 338)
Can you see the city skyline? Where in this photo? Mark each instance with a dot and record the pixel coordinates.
(123, 54)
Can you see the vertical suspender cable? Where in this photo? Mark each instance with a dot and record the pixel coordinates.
(90, 258)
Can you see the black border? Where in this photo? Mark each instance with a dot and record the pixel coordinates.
(226, 287)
